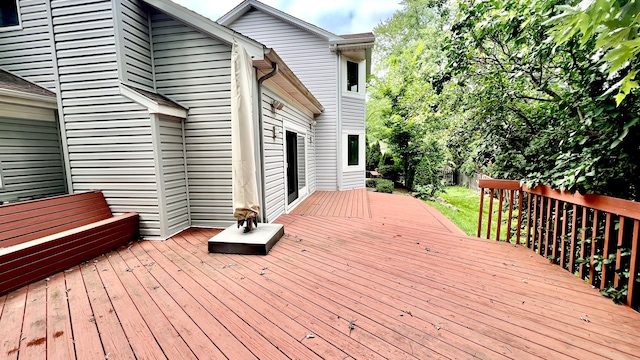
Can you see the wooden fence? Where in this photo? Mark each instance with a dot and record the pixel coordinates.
(592, 236)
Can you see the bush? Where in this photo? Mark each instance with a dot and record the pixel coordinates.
(385, 186)
(371, 183)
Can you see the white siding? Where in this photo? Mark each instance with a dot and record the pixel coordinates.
(353, 112)
(27, 52)
(195, 70)
(30, 159)
(109, 137)
(353, 180)
(353, 118)
(311, 60)
(275, 151)
(173, 175)
(138, 68)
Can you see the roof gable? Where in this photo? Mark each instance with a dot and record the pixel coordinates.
(247, 5)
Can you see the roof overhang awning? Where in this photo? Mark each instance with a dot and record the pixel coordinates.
(286, 80)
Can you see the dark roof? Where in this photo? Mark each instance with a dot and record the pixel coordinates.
(13, 82)
(367, 35)
(157, 98)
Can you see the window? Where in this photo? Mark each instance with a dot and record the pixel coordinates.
(9, 16)
(1, 183)
(352, 150)
(352, 76)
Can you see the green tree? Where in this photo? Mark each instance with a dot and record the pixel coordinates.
(409, 49)
(535, 110)
(614, 25)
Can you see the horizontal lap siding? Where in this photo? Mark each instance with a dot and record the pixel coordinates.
(27, 52)
(173, 170)
(274, 151)
(137, 44)
(195, 70)
(30, 159)
(316, 66)
(109, 136)
(273, 158)
(353, 118)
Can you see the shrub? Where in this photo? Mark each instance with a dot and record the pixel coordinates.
(385, 186)
(371, 183)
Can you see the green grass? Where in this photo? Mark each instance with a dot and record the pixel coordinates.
(465, 216)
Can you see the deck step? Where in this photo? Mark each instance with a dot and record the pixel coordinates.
(259, 241)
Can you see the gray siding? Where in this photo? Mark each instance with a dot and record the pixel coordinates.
(275, 151)
(195, 70)
(27, 52)
(353, 180)
(311, 60)
(173, 175)
(138, 69)
(353, 118)
(109, 137)
(30, 159)
(353, 112)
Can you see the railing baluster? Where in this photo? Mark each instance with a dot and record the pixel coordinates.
(554, 252)
(605, 250)
(616, 278)
(547, 229)
(540, 226)
(519, 216)
(511, 195)
(583, 237)
(633, 267)
(529, 196)
(564, 235)
(594, 246)
(490, 214)
(535, 221)
(480, 213)
(572, 255)
(500, 199)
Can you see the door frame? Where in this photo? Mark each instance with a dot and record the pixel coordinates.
(302, 192)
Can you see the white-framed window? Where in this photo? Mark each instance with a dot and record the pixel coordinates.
(9, 15)
(1, 180)
(353, 150)
(353, 77)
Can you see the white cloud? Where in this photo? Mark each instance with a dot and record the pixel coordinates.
(337, 16)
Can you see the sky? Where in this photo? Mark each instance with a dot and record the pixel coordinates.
(337, 16)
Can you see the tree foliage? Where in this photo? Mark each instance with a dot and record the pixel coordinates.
(515, 89)
(614, 24)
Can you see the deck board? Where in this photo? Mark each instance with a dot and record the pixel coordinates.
(415, 286)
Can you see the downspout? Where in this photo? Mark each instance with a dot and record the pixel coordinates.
(263, 185)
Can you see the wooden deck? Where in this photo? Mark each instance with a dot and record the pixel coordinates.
(358, 275)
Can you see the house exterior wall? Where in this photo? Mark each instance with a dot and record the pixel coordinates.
(173, 175)
(195, 70)
(136, 45)
(353, 121)
(292, 119)
(35, 61)
(108, 136)
(317, 67)
(31, 162)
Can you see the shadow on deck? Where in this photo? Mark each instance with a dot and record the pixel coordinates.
(360, 275)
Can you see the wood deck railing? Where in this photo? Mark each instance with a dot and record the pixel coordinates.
(592, 236)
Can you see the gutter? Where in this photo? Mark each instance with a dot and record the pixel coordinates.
(263, 185)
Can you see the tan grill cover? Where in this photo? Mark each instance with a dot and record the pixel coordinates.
(245, 188)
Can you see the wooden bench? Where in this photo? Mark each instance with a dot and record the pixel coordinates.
(42, 237)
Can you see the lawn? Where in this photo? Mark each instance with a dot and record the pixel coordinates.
(461, 205)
